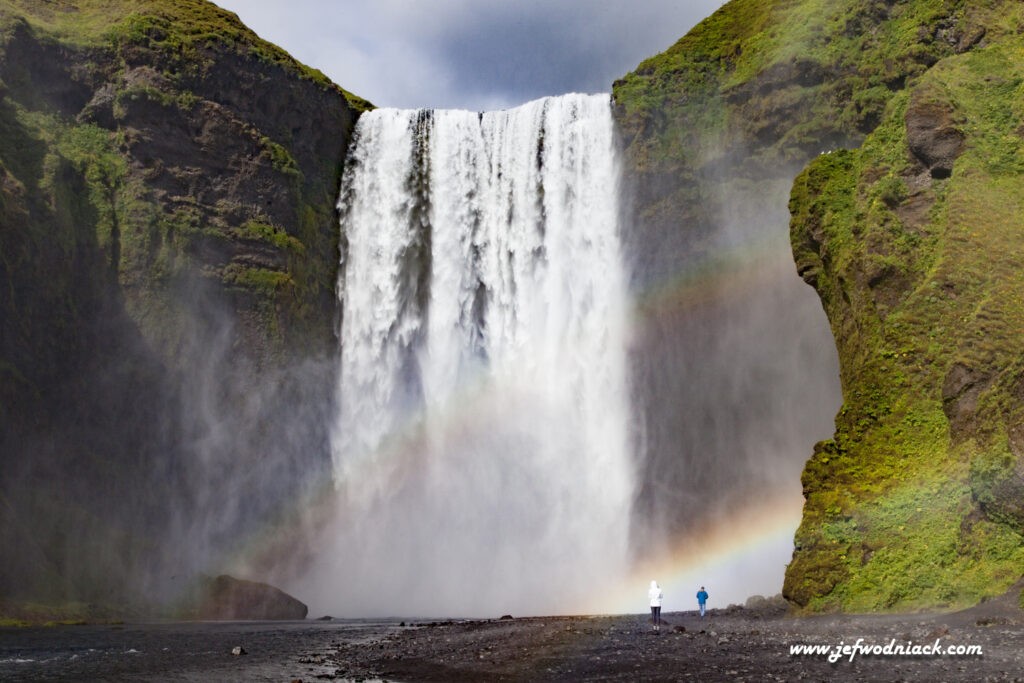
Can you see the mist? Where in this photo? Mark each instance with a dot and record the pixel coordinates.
(154, 460)
(735, 378)
(247, 452)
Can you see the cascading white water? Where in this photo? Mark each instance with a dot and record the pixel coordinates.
(480, 448)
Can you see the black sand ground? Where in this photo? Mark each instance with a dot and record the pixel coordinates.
(729, 645)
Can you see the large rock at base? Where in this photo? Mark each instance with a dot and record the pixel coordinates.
(228, 598)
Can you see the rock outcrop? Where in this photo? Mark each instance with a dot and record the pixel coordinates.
(932, 135)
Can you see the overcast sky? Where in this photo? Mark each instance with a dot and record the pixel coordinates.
(471, 54)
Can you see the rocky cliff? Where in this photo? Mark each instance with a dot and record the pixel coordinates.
(909, 240)
(169, 254)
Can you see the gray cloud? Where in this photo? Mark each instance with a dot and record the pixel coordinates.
(471, 54)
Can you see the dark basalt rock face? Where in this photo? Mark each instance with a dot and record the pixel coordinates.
(169, 248)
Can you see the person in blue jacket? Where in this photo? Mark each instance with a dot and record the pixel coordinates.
(702, 600)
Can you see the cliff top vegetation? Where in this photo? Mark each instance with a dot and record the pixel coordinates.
(790, 76)
(181, 29)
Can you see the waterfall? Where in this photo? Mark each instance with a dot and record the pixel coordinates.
(480, 448)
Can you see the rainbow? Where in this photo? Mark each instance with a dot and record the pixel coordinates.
(735, 557)
(726, 274)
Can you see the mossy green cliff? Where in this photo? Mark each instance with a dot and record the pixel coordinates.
(911, 241)
(914, 243)
(168, 259)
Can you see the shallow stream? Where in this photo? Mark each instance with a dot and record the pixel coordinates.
(185, 651)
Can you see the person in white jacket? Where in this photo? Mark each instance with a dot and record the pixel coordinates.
(655, 596)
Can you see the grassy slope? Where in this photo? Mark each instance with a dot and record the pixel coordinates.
(896, 514)
(181, 27)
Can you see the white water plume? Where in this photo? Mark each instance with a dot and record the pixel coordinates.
(480, 448)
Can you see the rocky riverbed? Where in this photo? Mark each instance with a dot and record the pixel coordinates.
(734, 644)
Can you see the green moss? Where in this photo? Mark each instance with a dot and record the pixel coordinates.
(89, 154)
(989, 469)
(280, 157)
(261, 279)
(95, 154)
(264, 232)
(23, 614)
(855, 565)
(183, 101)
(357, 103)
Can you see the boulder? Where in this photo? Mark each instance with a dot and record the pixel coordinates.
(227, 598)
